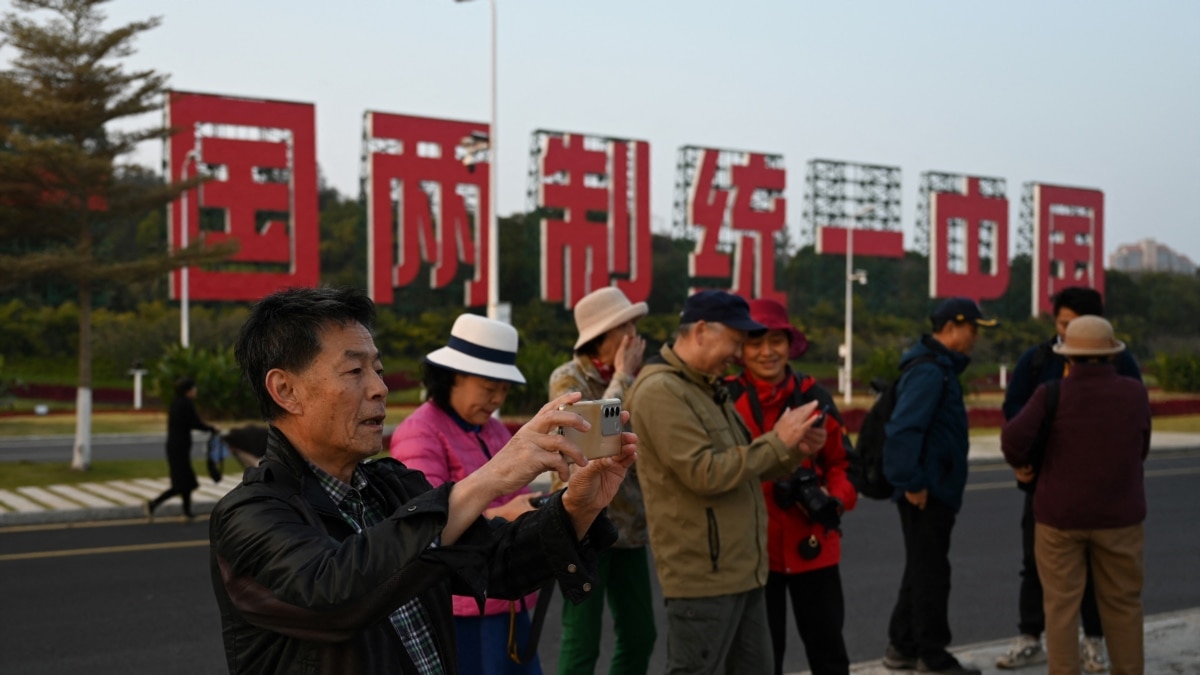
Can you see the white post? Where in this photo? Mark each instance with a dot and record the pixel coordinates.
(137, 386)
(184, 317)
(849, 364)
(493, 307)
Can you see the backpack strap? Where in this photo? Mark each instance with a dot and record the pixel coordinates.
(1038, 452)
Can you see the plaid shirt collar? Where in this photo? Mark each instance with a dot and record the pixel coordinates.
(411, 620)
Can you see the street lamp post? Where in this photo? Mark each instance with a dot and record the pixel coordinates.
(852, 276)
(184, 318)
(494, 309)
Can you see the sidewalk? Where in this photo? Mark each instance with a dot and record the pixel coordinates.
(1172, 646)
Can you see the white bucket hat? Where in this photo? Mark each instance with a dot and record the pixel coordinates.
(480, 346)
(602, 310)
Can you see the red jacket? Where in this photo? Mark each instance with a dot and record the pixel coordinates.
(787, 529)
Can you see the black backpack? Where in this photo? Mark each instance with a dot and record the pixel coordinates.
(873, 436)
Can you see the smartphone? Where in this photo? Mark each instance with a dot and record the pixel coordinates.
(603, 439)
(821, 416)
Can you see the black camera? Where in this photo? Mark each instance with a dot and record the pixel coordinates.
(803, 488)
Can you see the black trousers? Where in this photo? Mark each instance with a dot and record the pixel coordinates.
(920, 624)
(820, 612)
(1033, 616)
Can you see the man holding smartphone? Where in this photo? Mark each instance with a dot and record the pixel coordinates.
(701, 478)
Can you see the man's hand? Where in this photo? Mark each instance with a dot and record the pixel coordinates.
(1025, 474)
(796, 428)
(628, 358)
(593, 486)
(918, 499)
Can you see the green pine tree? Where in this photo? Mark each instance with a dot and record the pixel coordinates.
(64, 197)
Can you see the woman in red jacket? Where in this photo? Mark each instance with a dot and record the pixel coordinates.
(804, 510)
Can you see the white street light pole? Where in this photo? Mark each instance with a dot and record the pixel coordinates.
(184, 318)
(493, 306)
(851, 277)
(494, 310)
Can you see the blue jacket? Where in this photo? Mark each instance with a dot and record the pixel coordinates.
(927, 439)
(1024, 380)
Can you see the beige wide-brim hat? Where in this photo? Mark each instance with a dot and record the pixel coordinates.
(1089, 336)
(603, 310)
(480, 346)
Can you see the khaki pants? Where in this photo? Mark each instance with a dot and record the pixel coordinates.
(1117, 568)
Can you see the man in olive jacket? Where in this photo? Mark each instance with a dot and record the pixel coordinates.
(325, 563)
(701, 480)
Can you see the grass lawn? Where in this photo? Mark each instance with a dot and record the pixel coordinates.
(19, 474)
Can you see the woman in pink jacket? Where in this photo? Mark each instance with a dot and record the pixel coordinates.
(451, 435)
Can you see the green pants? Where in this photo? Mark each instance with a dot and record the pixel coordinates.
(625, 581)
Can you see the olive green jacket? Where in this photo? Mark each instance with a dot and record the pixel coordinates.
(701, 480)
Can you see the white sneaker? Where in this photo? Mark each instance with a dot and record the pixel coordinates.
(1092, 655)
(1026, 650)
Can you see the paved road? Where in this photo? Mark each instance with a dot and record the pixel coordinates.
(135, 598)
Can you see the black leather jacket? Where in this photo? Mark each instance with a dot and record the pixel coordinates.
(300, 592)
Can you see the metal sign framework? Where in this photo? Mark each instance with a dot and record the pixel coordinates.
(836, 190)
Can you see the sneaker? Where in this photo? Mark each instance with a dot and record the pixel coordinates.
(1092, 656)
(1026, 650)
(953, 667)
(895, 660)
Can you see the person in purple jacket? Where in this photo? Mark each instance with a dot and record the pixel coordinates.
(1091, 495)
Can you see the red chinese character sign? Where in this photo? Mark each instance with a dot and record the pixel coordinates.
(968, 237)
(735, 199)
(596, 194)
(260, 157)
(1068, 241)
(427, 201)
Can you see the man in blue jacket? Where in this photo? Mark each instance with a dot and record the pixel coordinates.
(1037, 366)
(925, 458)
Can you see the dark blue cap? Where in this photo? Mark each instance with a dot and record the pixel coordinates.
(961, 310)
(720, 307)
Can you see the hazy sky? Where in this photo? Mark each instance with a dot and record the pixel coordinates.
(1093, 94)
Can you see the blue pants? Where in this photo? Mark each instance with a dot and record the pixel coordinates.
(483, 645)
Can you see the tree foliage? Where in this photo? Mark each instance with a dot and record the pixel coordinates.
(68, 209)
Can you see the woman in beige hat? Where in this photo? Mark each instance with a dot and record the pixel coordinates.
(608, 355)
(452, 435)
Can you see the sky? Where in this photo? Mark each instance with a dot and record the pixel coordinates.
(1098, 94)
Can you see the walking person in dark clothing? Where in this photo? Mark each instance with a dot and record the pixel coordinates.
(181, 419)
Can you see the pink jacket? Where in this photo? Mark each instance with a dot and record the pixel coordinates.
(431, 442)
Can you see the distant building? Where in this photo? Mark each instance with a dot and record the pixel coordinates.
(1148, 255)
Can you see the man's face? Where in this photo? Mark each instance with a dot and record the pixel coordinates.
(766, 355)
(342, 396)
(475, 398)
(967, 337)
(1061, 319)
(722, 347)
